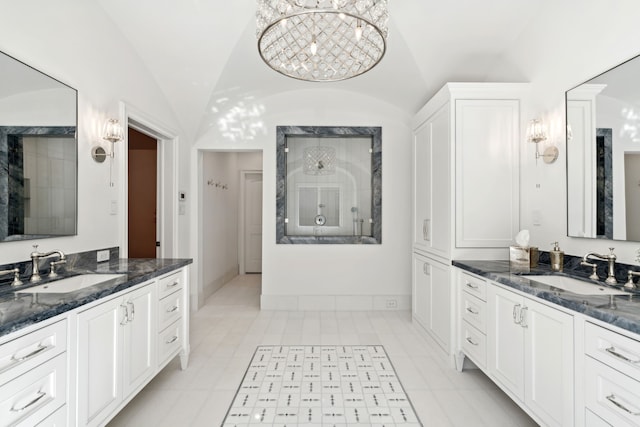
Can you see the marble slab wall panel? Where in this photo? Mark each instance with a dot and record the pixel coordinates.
(282, 133)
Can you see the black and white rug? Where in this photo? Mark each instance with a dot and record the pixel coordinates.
(321, 386)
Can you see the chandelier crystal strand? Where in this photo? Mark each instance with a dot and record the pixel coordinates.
(322, 40)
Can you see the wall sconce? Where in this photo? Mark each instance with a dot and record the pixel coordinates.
(537, 133)
(113, 133)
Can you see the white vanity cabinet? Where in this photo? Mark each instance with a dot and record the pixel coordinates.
(530, 353)
(116, 352)
(171, 316)
(466, 142)
(33, 376)
(612, 376)
(431, 303)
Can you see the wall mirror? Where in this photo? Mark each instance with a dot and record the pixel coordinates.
(603, 155)
(38, 154)
(329, 185)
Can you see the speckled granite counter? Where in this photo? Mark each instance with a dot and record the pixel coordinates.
(625, 314)
(19, 310)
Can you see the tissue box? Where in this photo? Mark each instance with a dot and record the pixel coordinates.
(523, 258)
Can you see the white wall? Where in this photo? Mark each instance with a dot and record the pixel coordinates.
(569, 42)
(367, 272)
(74, 42)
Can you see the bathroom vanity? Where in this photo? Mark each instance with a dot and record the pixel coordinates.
(77, 358)
(566, 357)
(465, 140)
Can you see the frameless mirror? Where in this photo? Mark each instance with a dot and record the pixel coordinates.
(38, 154)
(603, 155)
(329, 185)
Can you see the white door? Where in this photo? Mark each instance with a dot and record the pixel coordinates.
(421, 290)
(99, 361)
(548, 363)
(505, 339)
(253, 222)
(140, 335)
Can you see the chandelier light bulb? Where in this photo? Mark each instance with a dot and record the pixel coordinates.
(314, 47)
(358, 31)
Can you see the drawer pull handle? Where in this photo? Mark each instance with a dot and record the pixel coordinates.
(40, 395)
(471, 285)
(172, 309)
(173, 285)
(612, 398)
(172, 340)
(472, 311)
(133, 311)
(612, 351)
(470, 341)
(38, 350)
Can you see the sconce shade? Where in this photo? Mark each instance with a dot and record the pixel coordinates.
(112, 131)
(536, 131)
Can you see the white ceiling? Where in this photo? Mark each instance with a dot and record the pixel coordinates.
(203, 51)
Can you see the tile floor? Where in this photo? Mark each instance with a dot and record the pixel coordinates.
(320, 385)
(227, 330)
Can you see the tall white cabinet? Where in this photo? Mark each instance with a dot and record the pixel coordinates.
(466, 142)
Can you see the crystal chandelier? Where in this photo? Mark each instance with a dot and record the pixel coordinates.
(322, 40)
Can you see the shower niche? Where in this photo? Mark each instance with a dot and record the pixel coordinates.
(329, 185)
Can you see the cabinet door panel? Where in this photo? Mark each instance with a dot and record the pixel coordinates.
(441, 304)
(139, 338)
(440, 169)
(422, 185)
(99, 361)
(487, 140)
(421, 290)
(548, 363)
(505, 339)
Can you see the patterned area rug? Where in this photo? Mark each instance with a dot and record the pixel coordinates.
(321, 386)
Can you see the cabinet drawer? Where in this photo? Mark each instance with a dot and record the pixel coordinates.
(170, 310)
(613, 349)
(169, 343)
(57, 419)
(592, 420)
(474, 311)
(169, 284)
(474, 344)
(473, 286)
(33, 396)
(24, 353)
(611, 395)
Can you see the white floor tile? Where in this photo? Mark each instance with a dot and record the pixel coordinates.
(227, 330)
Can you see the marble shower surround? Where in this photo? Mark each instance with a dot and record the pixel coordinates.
(321, 386)
(282, 132)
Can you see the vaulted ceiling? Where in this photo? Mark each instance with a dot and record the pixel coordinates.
(202, 51)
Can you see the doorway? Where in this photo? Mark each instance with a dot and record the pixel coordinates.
(229, 217)
(251, 229)
(142, 196)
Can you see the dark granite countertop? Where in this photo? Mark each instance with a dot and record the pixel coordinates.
(19, 310)
(624, 314)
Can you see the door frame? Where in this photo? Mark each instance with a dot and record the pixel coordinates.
(167, 184)
(243, 216)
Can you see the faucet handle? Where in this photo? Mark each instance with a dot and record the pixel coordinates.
(611, 250)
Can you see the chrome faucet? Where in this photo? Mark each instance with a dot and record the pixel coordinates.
(16, 276)
(35, 257)
(611, 271)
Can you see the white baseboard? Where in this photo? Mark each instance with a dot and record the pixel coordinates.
(335, 302)
(211, 287)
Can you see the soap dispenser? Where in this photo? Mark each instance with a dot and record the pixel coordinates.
(557, 257)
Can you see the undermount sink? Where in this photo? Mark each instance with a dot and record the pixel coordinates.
(577, 286)
(70, 284)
